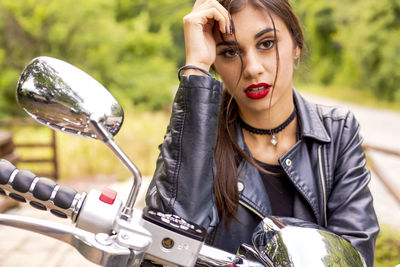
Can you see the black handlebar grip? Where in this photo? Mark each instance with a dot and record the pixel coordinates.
(42, 193)
(43, 189)
(6, 169)
(23, 181)
(64, 197)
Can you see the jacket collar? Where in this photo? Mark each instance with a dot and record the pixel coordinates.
(310, 122)
(253, 193)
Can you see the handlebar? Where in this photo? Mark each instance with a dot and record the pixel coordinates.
(105, 250)
(102, 234)
(93, 247)
(41, 193)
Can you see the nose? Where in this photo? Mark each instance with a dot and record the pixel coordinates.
(253, 65)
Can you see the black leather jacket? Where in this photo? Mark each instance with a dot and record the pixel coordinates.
(326, 165)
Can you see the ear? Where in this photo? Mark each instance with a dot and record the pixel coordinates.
(297, 52)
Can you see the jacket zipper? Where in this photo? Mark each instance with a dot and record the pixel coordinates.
(323, 183)
(251, 209)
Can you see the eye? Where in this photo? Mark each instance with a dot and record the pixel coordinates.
(266, 44)
(229, 53)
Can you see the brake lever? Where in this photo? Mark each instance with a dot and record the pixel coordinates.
(100, 248)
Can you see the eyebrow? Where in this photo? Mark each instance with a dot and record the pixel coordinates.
(228, 43)
(261, 33)
(257, 35)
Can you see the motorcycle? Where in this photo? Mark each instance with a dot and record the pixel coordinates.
(110, 233)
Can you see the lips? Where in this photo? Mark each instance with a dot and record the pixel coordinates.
(257, 91)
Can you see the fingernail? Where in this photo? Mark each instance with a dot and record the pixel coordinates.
(231, 27)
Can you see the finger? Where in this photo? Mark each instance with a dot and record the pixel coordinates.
(219, 7)
(199, 3)
(214, 4)
(211, 14)
(201, 6)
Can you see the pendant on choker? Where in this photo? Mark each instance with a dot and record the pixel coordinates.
(273, 140)
(272, 132)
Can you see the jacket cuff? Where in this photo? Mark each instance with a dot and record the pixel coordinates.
(200, 81)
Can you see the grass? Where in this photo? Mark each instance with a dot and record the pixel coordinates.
(139, 138)
(347, 94)
(387, 253)
(81, 157)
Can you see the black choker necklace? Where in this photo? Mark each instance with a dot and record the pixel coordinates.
(273, 131)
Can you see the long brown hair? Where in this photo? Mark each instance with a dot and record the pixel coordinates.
(227, 153)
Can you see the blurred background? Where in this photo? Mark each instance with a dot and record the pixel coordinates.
(134, 49)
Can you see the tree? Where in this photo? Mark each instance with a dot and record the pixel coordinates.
(370, 33)
(353, 43)
(131, 47)
(320, 29)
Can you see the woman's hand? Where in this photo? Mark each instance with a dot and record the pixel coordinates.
(198, 29)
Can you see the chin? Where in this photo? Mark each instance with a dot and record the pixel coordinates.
(256, 109)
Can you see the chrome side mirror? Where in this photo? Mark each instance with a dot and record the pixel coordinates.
(299, 243)
(67, 99)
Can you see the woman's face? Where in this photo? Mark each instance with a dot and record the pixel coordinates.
(256, 45)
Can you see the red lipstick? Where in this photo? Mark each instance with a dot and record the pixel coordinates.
(257, 91)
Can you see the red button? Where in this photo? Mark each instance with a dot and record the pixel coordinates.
(108, 195)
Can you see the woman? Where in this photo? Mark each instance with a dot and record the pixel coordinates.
(252, 146)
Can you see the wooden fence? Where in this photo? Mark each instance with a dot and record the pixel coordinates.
(7, 148)
(390, 186)
(7, 151)
(50, 144)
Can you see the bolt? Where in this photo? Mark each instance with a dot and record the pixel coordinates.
(167, 243)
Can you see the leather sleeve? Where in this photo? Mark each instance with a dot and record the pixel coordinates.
(350, 204)
(184, 176)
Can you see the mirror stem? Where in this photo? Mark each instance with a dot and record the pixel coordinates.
(104, 135)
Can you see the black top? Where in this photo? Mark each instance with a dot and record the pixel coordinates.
(279, 188)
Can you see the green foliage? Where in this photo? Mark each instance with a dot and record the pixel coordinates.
(134, 47)
(318, 16)
(131, 47)
(387, 251)
(372, 45)
(353, 43)
(161, 12)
